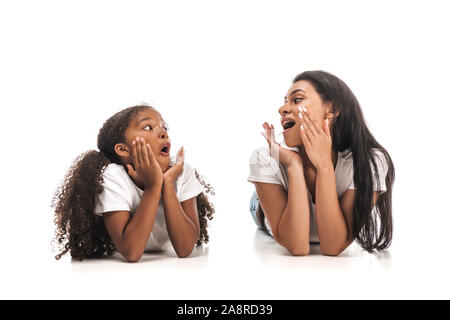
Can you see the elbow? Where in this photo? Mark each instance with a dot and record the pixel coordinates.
(186, 250)
(298, 247)
(330, 251)
(184, 253)
(299, 250)
(132, 259)
(132, 256)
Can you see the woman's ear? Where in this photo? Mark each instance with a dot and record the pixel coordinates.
(122, 150)
(329, 113)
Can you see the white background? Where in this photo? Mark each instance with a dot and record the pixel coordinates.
(216, 71)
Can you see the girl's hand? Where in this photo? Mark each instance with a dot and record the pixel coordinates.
(316, 139)
(285, 156)
(145, 168)
(174, 172)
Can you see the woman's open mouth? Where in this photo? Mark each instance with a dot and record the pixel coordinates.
(287, 123)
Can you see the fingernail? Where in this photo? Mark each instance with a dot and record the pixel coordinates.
(301, 127)
(304, 109)
(300, 115)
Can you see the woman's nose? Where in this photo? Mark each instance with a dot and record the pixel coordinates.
(284, 109)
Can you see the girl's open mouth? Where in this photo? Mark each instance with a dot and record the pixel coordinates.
(165, 151)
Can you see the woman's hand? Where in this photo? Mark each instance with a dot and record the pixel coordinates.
(285, 156)
(174, 172)
(145, 168)
(316, 139)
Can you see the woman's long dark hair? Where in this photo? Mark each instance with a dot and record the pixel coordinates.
(78, 229)
(350, 133)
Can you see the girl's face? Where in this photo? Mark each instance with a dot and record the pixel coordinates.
(302, 93)
(148, 124)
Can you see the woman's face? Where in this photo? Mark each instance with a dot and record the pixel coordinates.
(301, 93)
(148, 124)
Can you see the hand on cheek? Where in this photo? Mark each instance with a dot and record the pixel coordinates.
(316, 139)
(175, 171)
(144, 169)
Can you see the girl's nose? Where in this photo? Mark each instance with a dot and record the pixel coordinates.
(163, 129)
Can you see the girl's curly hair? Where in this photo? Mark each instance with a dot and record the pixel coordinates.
(205, 209)
(78, 229)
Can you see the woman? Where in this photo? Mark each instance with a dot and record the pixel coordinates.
(332, 181)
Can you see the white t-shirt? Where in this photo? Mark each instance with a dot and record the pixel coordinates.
(121, 194)
(264, 168)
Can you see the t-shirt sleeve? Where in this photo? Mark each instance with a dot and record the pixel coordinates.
(263, 168)
(382, 166)
(190, 186)
(116, 195)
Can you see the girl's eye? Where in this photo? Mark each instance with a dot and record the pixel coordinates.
(298, 100)
(149, 127)
(163, 125)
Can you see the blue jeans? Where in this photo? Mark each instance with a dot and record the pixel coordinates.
(254, 205)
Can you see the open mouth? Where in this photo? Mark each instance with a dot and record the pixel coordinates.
(165, 149)
(287, 124)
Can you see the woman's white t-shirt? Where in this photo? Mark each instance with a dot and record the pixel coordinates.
(264, 168)
(121, 194)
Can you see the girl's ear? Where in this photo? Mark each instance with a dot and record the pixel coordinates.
(122, 150)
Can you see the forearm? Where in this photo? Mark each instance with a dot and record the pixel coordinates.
(293, 227)
(138, 230)
(182, 231)
(331, 225)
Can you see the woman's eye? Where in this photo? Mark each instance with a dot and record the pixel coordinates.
(148, 127)
(298, 100)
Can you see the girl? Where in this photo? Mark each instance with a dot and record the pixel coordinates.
(332, 181)
(130, 196)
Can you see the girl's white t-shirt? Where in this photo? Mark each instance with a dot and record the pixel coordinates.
(121, 194)
(264, 168)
